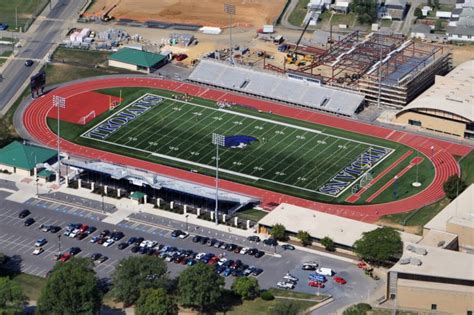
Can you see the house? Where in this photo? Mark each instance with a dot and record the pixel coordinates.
(394, 9)
(426, 10)
(420, 31)
(341, 6)
(137, 60)
(462, 28)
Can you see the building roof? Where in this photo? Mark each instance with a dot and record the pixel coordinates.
(341, 230)
(24, 156)
(396, 3)
(437, 262)
(451, 93)
(421, 28)
(275, 86)
(137, 57)
(460, 210)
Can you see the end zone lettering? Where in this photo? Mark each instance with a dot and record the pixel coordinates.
(350, 173)
(122, 118)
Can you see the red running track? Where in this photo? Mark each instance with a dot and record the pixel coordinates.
(34, 120)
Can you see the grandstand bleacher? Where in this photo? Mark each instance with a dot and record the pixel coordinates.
(276, 87)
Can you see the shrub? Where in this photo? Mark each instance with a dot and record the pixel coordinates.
(267, 296)
(357, 309)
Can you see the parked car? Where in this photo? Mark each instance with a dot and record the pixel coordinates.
(29, 221)
(117, 235)
(309, 265)
(176, 233)
(122, 245)
(132, 240)
(196, 239)
(317, 277)
(40, 242)
(95, 256)
(55, 229)
(65, 257)
(270, 242)
(259, 254)
(257, 271)
(252, 251)
(285, 285)
(102, 259)
(316, 284)
(340, 280)
(244, 250)
(108, 242)
(38, 250)
(24, 213)
(29, 63)
(95, 239)
(289, 276)
(135, 249)
(3, 26)
(253, 238)
(287, 247)
(74, 251)
(325, 271)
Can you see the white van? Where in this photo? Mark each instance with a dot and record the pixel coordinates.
(324, 271)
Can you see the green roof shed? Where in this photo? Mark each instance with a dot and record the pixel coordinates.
(137, 57)
(23, 156)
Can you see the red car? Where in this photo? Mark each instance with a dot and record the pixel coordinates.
(339, 280)
(213, 260)
(83, 228)
(180, 57)
(65, 257)
(362, 265)
(316, 284)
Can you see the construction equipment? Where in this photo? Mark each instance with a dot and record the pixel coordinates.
(106, 16)
(292, 57)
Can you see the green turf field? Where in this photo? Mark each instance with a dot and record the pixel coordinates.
(21, 11)
(289, 156)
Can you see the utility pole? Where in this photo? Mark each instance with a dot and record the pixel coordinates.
(380, 72)
(16, 18)
(59, 102)
(230, 9)
(218, 140)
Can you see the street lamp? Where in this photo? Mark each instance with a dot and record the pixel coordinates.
(59, 244)
(219, 141)
(395, 187)
(59, 102)
(186, 216)
(230, 9)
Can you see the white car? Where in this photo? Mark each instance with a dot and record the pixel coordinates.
(74, 233)
(144, 243)
(183, 235)
(285, 285)
(222, 261)
(108, 242)
(38, 250)
(324, 271)
(244, 250)
(200, 255)
(289, 276)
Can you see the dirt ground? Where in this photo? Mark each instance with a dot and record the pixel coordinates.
(249, 13)
(462, 53)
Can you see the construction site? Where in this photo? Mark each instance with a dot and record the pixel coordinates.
(388, 69)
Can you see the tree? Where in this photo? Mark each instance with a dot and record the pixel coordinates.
(6, 134)
(304, 237)
(136, 273)
(155, 302)
(72, 288)
(200, 287)
(357, 309)
(418, 13)
(436, 4)
(453, 186)
(246, 287)
(328, 244)
(12, 299)
(379, 245)
(286, 307)
(278, 232)
(366, 10)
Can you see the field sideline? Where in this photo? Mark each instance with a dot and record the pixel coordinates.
(290, 156)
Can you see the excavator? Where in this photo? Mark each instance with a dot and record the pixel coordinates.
(291, 56)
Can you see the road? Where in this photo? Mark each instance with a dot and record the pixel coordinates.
(44, 33)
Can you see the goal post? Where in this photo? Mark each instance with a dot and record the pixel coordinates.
(85, 119)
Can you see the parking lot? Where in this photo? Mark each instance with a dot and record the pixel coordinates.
(18, 240)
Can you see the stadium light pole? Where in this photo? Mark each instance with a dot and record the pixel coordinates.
(230, 9)
(218, 140)
(59, 102)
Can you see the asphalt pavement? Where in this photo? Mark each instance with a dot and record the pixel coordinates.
(36, 47)
(18, 241)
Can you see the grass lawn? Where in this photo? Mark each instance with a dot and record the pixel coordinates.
(467, 168)
(378, 311)
(418, 217)
(347, 19)
(4, 56)
(261, 307)
(252, 214)
(26, 11)
(294, 294)
(31, 285)
(281, 159)
(385, 23)
(299, 12)
(80, 56)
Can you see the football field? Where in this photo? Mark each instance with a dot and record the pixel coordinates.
(283, 154)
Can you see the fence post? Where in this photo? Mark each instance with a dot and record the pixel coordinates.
(236, 221)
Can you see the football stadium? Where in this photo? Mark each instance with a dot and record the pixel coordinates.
(254, 147)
